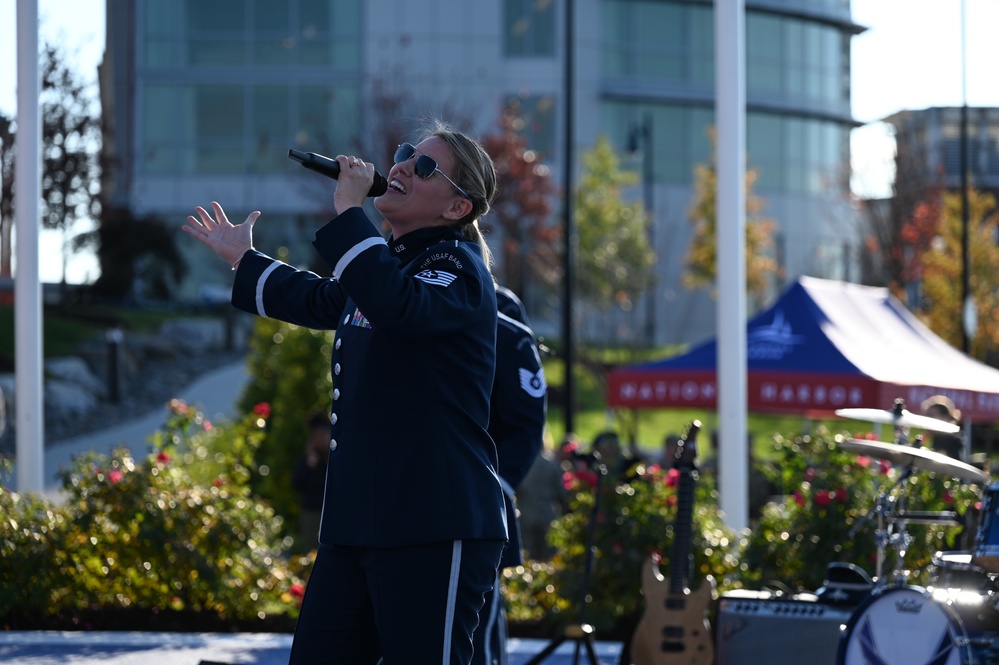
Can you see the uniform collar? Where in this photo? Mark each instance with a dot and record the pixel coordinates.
(414, 243)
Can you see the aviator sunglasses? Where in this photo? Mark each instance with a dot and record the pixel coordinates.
(426, 165)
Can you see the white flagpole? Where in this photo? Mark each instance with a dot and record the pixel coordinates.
(27, 288)
(730, 114)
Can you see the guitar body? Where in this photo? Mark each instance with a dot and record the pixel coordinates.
(674, 629)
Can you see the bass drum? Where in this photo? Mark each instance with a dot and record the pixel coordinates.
(903, 626)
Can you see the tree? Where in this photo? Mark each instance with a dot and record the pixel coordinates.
(523, 206)
(900, 229)
(70, 146)
(942, 278)
(614, 258)
(700, 264)
(138, 256)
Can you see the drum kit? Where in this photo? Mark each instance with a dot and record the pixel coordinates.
(955, 619)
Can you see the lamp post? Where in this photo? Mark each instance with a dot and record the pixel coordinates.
(640, 138)
(568, 275)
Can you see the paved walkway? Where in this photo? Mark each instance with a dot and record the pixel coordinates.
(107, 648)
(215, 393)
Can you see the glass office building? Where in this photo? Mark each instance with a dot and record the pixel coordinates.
(205, 98)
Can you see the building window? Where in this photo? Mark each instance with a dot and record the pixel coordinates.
(184, 132)
(228, 86)
(796, 61)
(789, 155)
(659, 42)
(251, 33)
(529, 28)
(680, 136)
(796, 155)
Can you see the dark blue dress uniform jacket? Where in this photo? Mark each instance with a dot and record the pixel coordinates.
(517, 423)
(410, 459)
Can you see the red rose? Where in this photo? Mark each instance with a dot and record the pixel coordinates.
(114, 475)
(163, 456)
(263, 409)
(822, 498)
(672, 478)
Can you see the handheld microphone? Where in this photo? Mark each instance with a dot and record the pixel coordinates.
(331, 169)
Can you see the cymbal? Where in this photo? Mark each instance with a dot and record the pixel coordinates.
(919, 458)
(900, 418)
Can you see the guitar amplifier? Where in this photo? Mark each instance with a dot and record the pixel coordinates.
(762, 628)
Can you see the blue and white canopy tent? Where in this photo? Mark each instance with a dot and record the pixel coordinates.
(823, 345)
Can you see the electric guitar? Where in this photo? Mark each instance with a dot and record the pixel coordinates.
(674, 629)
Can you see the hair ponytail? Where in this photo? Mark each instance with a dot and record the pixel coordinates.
(470, 231)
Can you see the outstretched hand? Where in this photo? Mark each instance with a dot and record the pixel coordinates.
(228, 241)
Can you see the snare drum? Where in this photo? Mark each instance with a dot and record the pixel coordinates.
(903, 626)
(986, 551)
(958, 570)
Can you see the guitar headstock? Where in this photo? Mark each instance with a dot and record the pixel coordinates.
(686, 449)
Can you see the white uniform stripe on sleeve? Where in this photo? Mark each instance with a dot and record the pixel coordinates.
(352, 253)
(452, 600)
(260, 286)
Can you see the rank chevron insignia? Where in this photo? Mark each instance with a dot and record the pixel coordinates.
(533, 383)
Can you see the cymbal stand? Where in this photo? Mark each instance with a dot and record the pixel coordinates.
(887, 505)
(581, 632)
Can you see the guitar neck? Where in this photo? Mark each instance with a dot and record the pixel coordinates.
(680, 563)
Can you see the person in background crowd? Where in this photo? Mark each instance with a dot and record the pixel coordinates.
(413, 521)
(517, 426)
(607, 449)
(670, 445)
(942, 408)
(309, 481)
(540, 501)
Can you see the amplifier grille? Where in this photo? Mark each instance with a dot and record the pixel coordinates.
(761, 629)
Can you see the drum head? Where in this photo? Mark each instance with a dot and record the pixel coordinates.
(903, 626)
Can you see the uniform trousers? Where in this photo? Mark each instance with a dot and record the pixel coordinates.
(415, 605)
(491, 635)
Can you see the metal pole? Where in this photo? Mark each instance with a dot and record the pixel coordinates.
(965, 262)
(28, 396)
(730, 114)
(569, 396)
(647, 177)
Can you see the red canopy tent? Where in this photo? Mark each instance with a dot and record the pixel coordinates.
(824, 345)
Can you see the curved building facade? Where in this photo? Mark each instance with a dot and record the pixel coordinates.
(204, 99)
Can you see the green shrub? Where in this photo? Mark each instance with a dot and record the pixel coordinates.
(289, 368)
(828, 490)
(635, 520)
(178, 529)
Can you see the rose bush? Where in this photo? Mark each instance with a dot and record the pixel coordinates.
(635, 520)
(827, 491)
(175, 529)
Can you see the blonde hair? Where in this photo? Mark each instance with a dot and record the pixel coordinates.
(474, 172)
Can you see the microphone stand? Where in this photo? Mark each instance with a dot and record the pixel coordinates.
(581, 632)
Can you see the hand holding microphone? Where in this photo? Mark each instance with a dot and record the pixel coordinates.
(331, 169)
